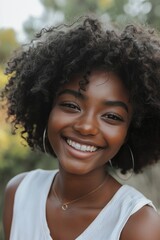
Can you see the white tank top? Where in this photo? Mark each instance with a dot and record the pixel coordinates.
(29, 214)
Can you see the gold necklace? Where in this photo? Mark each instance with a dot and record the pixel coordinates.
(64, 206)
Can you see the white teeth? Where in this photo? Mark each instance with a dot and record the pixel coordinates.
(78, 146)
(83, 148)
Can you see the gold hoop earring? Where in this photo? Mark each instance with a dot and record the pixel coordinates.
(129, 173)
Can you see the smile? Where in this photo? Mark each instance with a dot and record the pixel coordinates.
(80, 147)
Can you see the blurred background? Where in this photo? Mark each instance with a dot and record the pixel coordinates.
(19, 22)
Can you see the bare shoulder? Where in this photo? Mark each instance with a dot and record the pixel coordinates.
(12, 186)
(9, 201)
(15, 181)
(144, 224)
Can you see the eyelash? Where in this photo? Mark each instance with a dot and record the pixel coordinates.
(106, 117)
(112, 117)
(70, 106)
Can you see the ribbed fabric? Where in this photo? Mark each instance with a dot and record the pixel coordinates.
(29, 215)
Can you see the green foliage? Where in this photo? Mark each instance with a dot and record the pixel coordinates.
(8, 43)
(124, 10)
(3, 78)
(118, 11)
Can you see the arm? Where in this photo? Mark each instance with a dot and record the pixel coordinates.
(143, 225)
(9, 202)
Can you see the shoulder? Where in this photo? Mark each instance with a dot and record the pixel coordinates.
(9, 202)
(144, 224)
(13, 185)
(14, 182)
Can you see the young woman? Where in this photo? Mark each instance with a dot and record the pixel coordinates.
(91, 97)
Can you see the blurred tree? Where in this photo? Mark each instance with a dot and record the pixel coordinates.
(120, 11)
(8, 43)
(153, 17)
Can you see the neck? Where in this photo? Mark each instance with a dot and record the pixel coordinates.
(70, 186)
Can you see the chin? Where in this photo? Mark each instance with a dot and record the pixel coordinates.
(75, 169)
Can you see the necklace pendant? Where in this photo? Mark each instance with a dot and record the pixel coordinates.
(64, 207)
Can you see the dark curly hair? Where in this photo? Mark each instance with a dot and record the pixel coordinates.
(39, 69)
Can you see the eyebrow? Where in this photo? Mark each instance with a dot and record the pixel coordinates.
(79, 95)
(116, 104)
(74, 93)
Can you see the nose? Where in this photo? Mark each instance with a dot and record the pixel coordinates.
(86, 124)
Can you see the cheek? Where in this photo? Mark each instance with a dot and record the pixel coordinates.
(54, 124)
(115, 135)
(58, 119)
(55, 121)
(53, 128)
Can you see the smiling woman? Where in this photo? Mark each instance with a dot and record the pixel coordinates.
(89, 96)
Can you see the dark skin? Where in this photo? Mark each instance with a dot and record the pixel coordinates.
(99, 119)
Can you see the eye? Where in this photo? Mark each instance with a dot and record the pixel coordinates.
(70, 106)
(112, 117)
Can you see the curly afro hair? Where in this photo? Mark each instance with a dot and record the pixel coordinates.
(39, 69)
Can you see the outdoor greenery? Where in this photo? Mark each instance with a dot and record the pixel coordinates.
(15, 156)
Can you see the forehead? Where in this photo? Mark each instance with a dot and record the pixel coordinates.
(100, 82)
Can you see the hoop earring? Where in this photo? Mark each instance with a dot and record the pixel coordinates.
(44, 141)
(119, 175)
